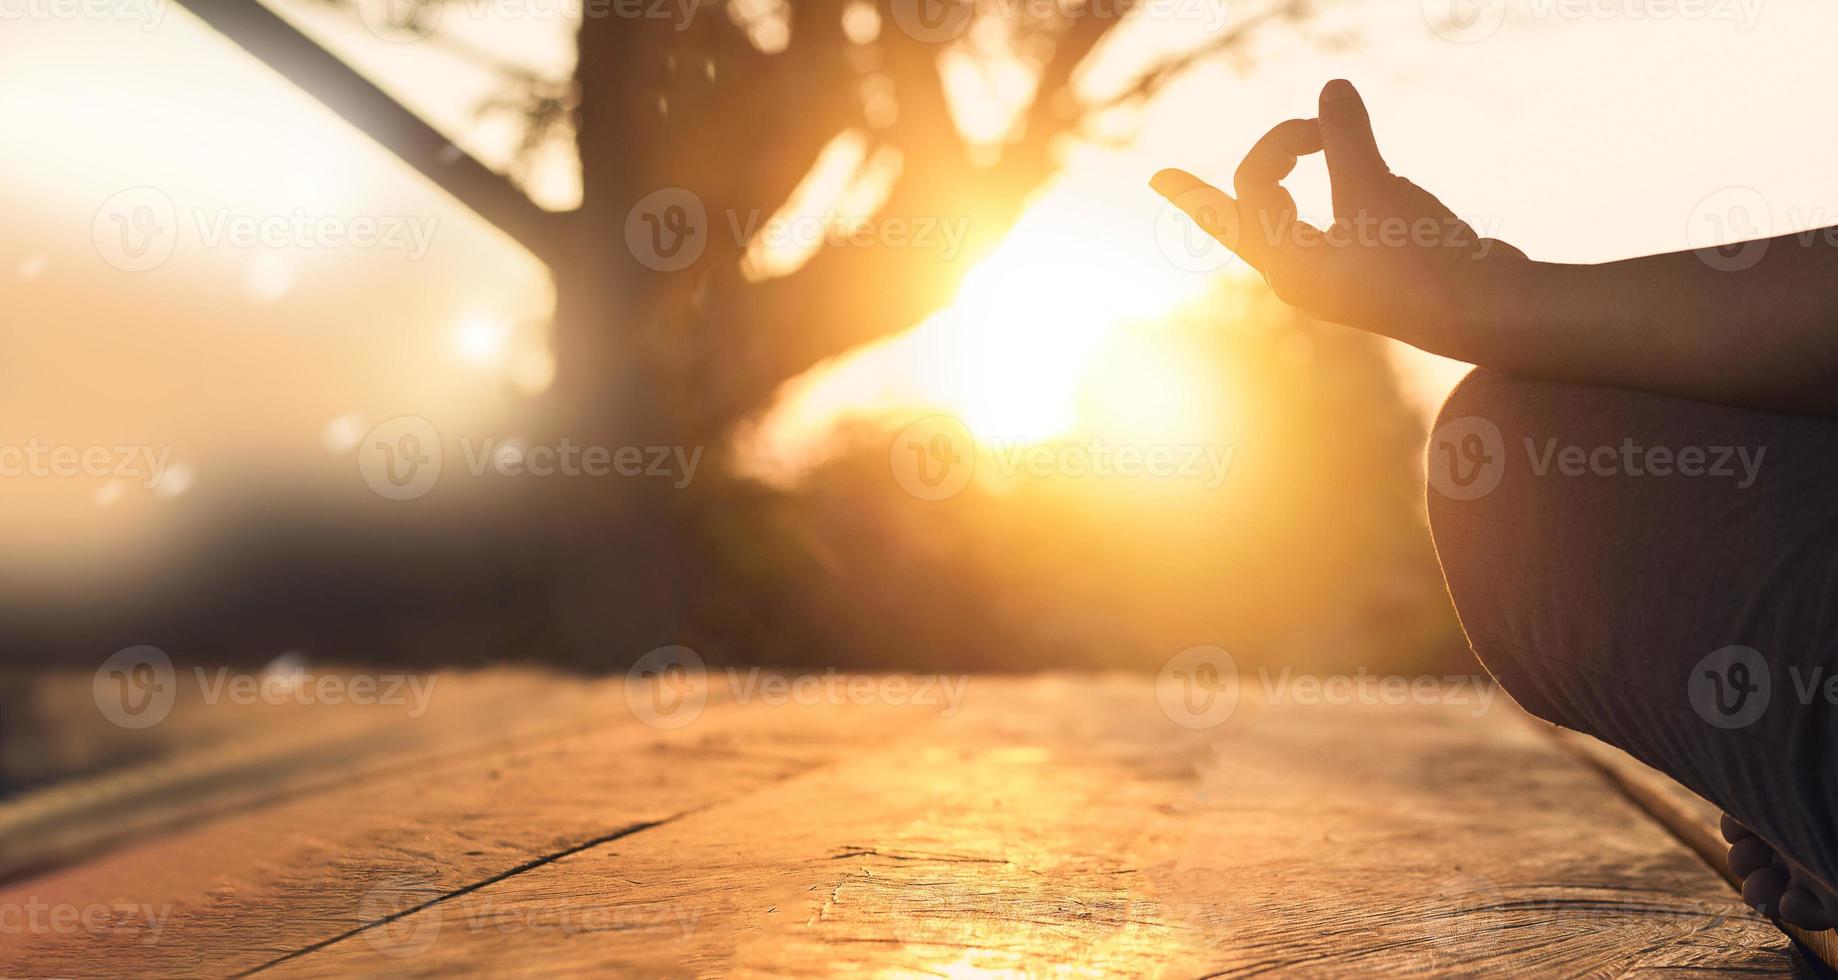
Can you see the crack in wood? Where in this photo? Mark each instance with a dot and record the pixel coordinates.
(529, 865)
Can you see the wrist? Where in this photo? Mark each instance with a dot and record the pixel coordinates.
(1507, 296)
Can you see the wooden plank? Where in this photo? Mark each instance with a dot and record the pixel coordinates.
(208, 759)
(1066, 826)
(246, 889)
(1690, 817)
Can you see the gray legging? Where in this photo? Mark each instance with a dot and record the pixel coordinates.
(1660, 574)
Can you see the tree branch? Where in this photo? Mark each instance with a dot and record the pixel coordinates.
(319, 73)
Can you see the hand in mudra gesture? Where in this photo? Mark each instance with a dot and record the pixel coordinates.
(1396, 261)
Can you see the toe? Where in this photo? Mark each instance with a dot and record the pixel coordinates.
(1749, 855)
(1830, 902)
(1802, 908)
(1733, 831)
(1762, 890)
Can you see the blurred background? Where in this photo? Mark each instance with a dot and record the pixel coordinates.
(872, 287)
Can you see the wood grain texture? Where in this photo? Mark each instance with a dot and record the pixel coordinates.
(1064, 826)
(1690, 817)
(245, 889)
(206, 760)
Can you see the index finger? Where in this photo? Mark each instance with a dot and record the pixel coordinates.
(1209, 207)
(1274, 155)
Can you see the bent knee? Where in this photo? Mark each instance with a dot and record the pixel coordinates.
(1479, 517)
(1487, 527)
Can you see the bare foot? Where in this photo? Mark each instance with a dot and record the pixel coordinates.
(1776, 886)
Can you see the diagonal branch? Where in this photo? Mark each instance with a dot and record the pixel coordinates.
(319, 73)
(1150, 81)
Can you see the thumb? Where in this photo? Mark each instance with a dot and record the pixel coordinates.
(1354, 165)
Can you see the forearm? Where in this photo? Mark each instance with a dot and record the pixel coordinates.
(1765, 336)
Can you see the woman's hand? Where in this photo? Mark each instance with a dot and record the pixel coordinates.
(1396, 261)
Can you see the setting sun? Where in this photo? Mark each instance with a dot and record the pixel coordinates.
(1015, 355)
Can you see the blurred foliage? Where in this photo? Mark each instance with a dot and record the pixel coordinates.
(1313, 551)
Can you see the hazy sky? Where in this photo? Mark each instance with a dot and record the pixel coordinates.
(1578, 131)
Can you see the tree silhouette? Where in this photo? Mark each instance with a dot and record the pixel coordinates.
(649, 357)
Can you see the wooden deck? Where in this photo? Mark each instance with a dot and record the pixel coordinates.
(1053, 824)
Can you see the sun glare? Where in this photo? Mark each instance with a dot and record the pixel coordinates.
(481, 340)
(1014, 357)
